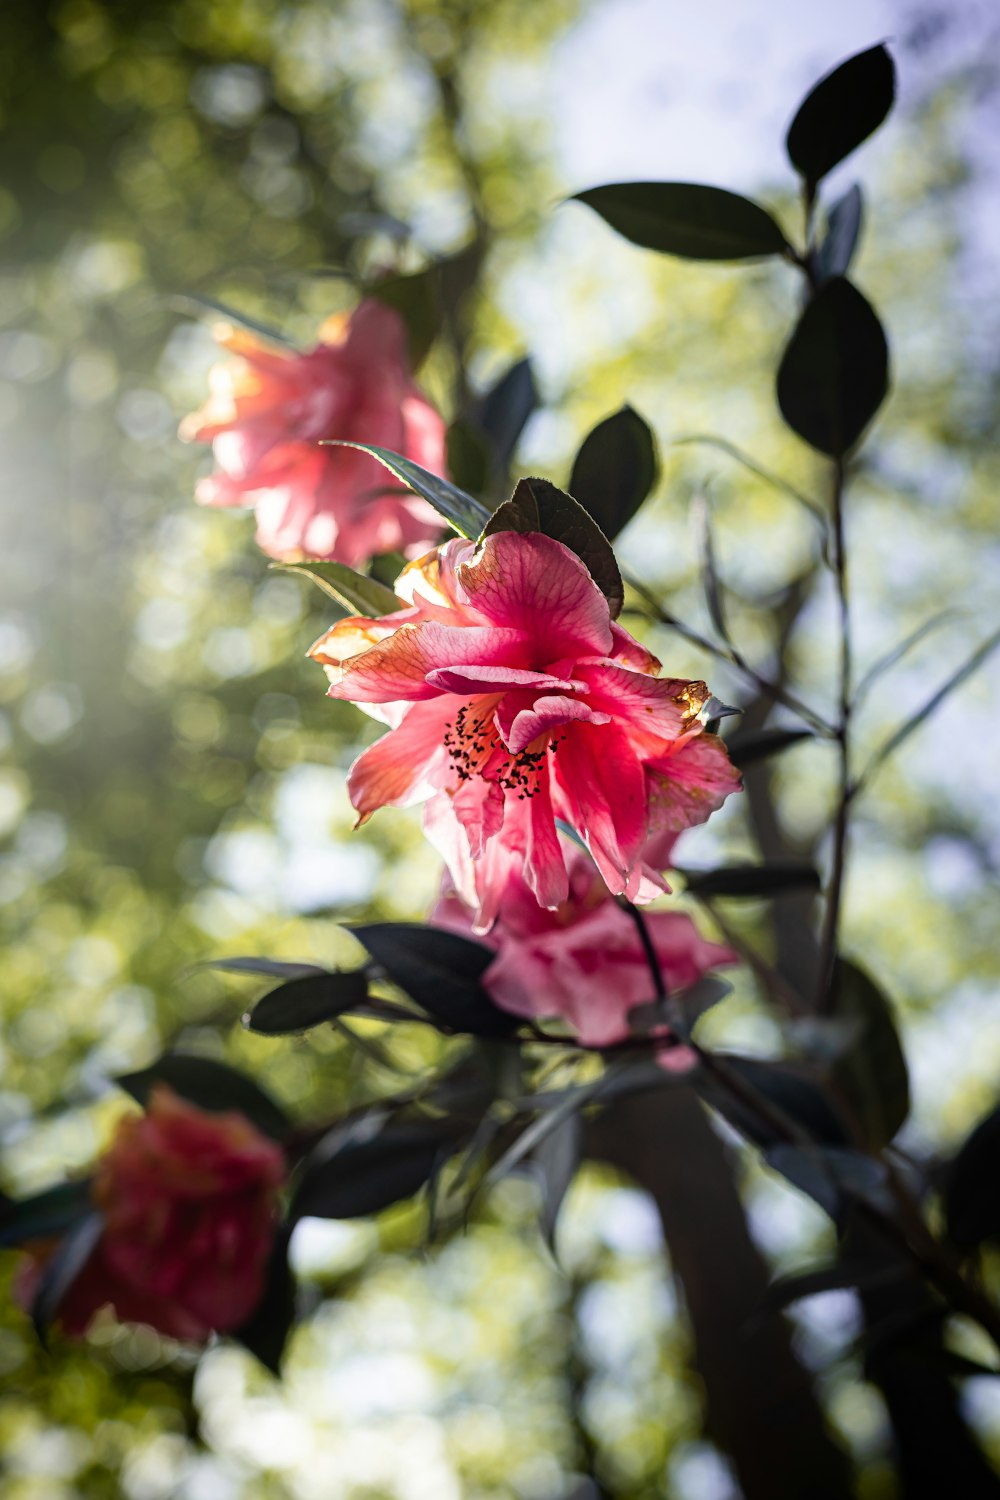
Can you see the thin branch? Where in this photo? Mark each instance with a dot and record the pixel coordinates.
(735, 659)
(831, 920)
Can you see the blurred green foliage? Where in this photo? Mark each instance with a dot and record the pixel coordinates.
(173, 777)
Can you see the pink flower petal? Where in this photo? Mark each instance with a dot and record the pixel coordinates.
(468, 679)
(399, 665)
(548, 713)
(532, 583)
(396, 771)
(603, 783)
(686, 787)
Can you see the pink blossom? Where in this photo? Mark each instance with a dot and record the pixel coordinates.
(513, 699)
(584, 961)
(190, 1209)
(268, 410)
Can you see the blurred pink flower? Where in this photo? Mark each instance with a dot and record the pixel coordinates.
(190, 1209)
(584, 961)
(268, 410)
(513, 699)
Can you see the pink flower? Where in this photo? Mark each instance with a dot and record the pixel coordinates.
(190, 1208)
(513, 699)
(267, 412)
(584, 961)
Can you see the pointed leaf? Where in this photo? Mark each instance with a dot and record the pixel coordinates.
(769, 879)
(888, 661)
(45, 1214)
(843, 110)
(957, 679)
(273, 968)
(266, 1331)
(841, 1275)
(972, 1190)
(210, 1085)
(556, 1159)
(463, 512)
(835, 253)
(441, 971)
(470, 456)
(504, 410)
(702, 524)
(834, 373)
(307, 1001)
(362, 1176)
(615, 469)
(789, 1089)
(355, 592)
(201, 304)
(752, 745)
(830, 1175)
(537, 505)
(871, 1074)
(687, 219)
(60, 1272)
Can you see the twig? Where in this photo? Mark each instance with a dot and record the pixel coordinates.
(735, 659)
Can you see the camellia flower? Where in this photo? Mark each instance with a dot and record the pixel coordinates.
(189, 1200)
(584, 961)
(513, 700)
(268, 411)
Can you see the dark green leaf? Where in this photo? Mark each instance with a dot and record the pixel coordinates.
(871, 1073)
(556, 1159)
(830, 1175)
(972, 1188)
(354, 592)
(957, 679)
(505, 408)
(536, 505)
(192, 301)
(441, 971)
(791, 1091)
(273, 968)
(834, 373)
(702, 523)
(210, 1085)
(615, 469)
(470, 456)
(687, 219)
(415, 298)
(752, 745)
(351, 1177)
(44, 1215)
(59, 1273)
(266, 1331)
(422, 297)
(843, 110)
(770, 879)
(307, 1001)
(835, 252)
(841, 1275)
(888, 661)
(467, 515)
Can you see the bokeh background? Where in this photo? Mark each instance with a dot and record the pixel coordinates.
(172, 784)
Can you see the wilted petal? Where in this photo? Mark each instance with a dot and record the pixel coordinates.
(686, 787)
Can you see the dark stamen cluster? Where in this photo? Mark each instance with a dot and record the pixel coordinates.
(470, 741)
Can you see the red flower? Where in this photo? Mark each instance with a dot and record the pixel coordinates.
(267, 412)
(190, 1208)
(584, 961)
(513, 700)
